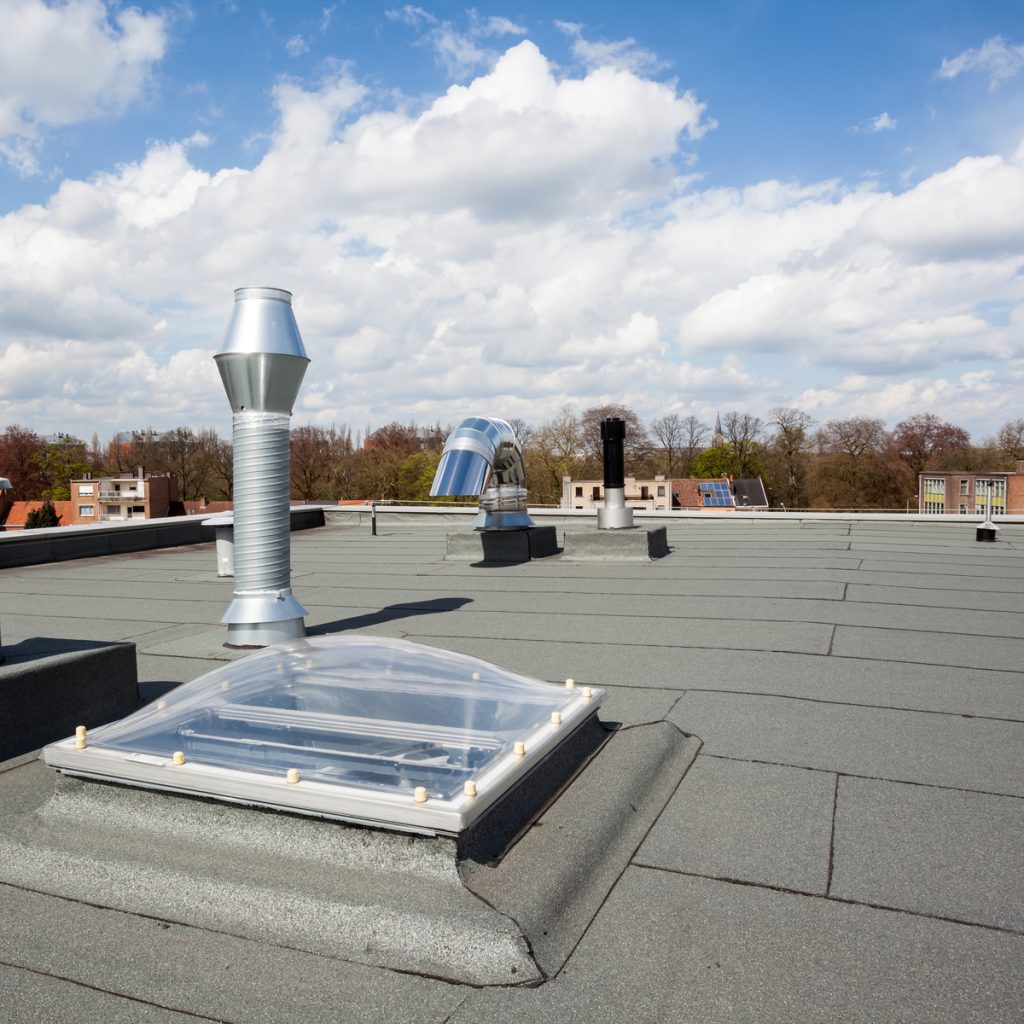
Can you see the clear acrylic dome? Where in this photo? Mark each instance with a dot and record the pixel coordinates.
(363, 728)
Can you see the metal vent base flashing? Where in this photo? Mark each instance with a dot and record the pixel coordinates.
(380, 898)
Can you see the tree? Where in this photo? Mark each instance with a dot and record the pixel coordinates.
(43, 517)
(62, 461)
(1009, 440)
(190, 457)
(718, 460)
(637, 444)
(126, 454)
(854, 437)
(920, 440)
(18, 448)
(854, 468)
(557, 449)
(222, 472)
(670, 432)
(788, 454)
(317, 454)
(523, 430)
(416, 474)
(743, 435)
(395, 437)
(697, 435)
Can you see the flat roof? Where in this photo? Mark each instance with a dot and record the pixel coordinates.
(843, 843)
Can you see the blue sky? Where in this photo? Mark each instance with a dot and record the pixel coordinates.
(688, 207)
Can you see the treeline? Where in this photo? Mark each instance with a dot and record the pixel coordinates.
(840, 464)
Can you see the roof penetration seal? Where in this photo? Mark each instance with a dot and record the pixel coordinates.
(371, 730)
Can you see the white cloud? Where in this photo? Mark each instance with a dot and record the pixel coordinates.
(522, 241)
(625, 54)
(60, 64)
(460, 51)
(997, 57)
(873, 125)
(296, 46)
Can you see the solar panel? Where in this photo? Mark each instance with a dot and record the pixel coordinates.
(717, 494)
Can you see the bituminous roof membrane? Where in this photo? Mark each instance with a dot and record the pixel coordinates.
(379, 731)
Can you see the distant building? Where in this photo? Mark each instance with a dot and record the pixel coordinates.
(720, 494)
(17, 512)
(971, 493)
(118, 498)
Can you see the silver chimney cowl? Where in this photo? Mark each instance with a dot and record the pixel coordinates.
(261, 364)
(483, 456)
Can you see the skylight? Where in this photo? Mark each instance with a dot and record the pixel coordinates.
(367, 729)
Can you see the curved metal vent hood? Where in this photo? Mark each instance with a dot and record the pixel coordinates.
(483, 456)
(372, 730)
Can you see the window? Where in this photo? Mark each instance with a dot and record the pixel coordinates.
(85, 490)
(579, 492)
(87, 510)
(113, 510)
(934, 495)
(964, 488)
(645, 493)
(596, 495)
(990, 494)
(661, 490)
(963, 509)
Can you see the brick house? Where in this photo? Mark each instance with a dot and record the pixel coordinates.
(966, 493)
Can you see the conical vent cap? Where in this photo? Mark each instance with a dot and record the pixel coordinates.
(262, 361)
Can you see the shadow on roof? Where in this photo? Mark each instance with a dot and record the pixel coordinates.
(389, 614)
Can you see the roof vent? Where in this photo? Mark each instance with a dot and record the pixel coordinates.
(483, 456)
(365, 729)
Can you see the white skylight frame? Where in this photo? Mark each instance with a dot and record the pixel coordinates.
(556, 712)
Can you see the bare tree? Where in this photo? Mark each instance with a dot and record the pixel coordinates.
(555, 450)
(222, 472)
(311, 463)
(637, 444)
(855, 468)
(920, 439)
(743, 434)
(697, 436)
(523, 430)
(1009, 440)
(789, 448)
(190, 457)
(670, 432)
(856, 436)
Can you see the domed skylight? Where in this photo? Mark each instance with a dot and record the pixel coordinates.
(367, 729)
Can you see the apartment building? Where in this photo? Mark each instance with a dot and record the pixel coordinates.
(720, 494)
(118, 498)
(972, 493)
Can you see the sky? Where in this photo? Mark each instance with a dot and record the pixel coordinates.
(685, 207)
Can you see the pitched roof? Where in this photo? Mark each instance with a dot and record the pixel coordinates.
(20, 510)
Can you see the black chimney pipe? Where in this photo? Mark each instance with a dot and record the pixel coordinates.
(614, 515)
(613, 434)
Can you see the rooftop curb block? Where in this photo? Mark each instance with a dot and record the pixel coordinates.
(508, 546)
(641, 544)
(48, 687)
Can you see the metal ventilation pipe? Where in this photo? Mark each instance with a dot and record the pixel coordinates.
(615, 515)
(262, 363)
(484, 456)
